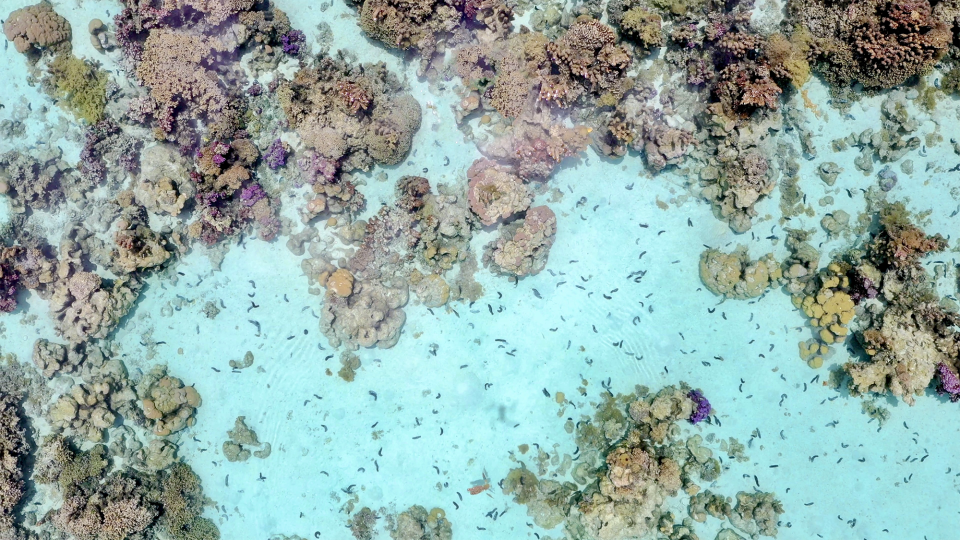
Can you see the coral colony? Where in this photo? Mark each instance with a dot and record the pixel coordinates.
(216, 116)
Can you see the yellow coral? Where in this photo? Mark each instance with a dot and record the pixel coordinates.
(80, 86)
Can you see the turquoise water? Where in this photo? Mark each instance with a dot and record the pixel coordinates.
(471, 384)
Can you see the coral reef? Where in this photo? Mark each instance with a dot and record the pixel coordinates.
(324, 104)
(632, 445)
(14, 448)
(37, 27)
(495, 193)
(371, 315)
(734, 275)
(523, 247)
(878, 43)
(168, 405)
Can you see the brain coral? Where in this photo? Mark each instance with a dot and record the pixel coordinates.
(37, 26)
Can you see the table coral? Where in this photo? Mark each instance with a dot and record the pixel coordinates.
(371, 316)
(734, 275)
(168, 405)
(522, 248)
(37, 27)
(495, 193)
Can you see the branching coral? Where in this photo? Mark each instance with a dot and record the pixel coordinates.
(79, 86)
(13, 451)
(879, 43)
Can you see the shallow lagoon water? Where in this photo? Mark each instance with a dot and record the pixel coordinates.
(460, 391)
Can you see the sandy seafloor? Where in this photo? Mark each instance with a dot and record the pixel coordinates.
(322, 428)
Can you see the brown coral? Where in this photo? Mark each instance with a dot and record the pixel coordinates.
(37, 26)
(495, 193)
(879, 43)
(523, 249)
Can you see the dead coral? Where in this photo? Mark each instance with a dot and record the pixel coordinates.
(371, 316)
(523, 247)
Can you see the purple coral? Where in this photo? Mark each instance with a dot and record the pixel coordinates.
(276, 155)
(862, 287)
(317, 168)
(703, 406)
(8, 288)
(250, 195)
(949, 382)
(292, 42)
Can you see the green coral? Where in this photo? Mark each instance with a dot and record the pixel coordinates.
(80, 86)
